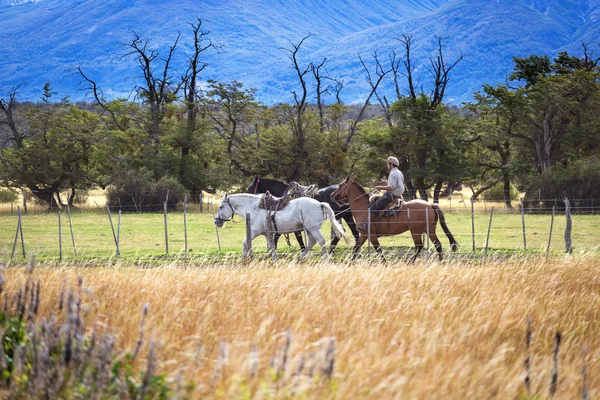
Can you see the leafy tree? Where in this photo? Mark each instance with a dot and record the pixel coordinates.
(233, 111)
(554, 105)
(58, 152)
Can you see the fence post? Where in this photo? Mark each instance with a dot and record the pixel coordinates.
(523, 223)
(427, 222)
(59, 237)
(473, 222)
(248, 236)
(119, 233)
(16, 237)
(550, 236)
(24, 200)
(568, 241)
(21, 231)
(368, 232)
(200, 200)
(185, 248)
(487, 240)
(216, 228)
(71, 229)
(166, 227)
(113, 230)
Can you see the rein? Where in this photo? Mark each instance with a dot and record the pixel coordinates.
(255, 186)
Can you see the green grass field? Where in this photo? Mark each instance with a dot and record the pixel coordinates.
(142, 236)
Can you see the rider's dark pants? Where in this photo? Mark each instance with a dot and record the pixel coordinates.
(380, 204)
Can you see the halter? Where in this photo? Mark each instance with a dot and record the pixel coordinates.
(232, 212)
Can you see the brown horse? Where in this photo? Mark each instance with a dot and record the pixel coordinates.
(413, 216)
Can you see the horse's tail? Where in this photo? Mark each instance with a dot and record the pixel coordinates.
(337, 227)
(440, 214)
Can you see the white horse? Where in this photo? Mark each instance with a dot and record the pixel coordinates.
(302, 213)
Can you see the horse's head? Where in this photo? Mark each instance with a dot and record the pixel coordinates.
(225, 212)
(341, 193)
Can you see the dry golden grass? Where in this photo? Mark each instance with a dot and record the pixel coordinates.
(422, 331)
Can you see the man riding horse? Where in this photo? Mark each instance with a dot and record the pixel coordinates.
(393, 186)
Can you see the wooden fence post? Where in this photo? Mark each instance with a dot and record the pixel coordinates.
(427, 225)
(59, 238)
(71, 229)
(113, 230)
(523, 223)
(16, 237)
(487, 240)
(473, 222)
(216, 228)
(550, 235)
(568, 240)
(166, 227)
(369, 232)
(185, 248)
(248, 236)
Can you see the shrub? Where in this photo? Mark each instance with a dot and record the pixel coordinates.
(579, 182)
(8, 196)
(137, 190)
(497, 193)
(60, 360)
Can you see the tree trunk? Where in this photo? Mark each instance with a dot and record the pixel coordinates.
(46, 195)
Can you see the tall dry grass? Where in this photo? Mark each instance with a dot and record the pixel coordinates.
(277, 330)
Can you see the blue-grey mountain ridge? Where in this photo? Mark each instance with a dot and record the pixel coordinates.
(43, 40)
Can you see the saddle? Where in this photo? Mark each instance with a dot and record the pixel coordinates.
(393, 207)
(271, 203)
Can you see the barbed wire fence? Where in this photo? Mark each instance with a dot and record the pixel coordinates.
(476, 237)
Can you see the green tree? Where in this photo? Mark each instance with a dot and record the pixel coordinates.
(57, 154)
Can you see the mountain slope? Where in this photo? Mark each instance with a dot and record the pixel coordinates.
(44, 40)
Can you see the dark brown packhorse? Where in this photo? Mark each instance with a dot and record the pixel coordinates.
(413, 216)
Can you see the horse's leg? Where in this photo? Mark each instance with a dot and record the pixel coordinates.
(334, 241)
(310, 244)
(299, 239)
(359, 242)
(276, 239)
(352, 225)
(438, 245)
(418, 239)
(271, 245)
(377, 247)
(315, 234)
(246, 245)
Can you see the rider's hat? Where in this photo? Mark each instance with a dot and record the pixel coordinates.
(393, 161)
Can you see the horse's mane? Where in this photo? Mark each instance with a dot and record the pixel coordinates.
(273, 181)
(248, 195)
(360, 188)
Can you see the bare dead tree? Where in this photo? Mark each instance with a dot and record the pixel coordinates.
(202, 43)
(158, 89)
(374, 79)
(7, 106)
(408, 67)
(191, 93)
(321, 89)
(98, 94)
(441, 73)
(299, 107)
(440, 70)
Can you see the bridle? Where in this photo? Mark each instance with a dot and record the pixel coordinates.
(226, 200)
